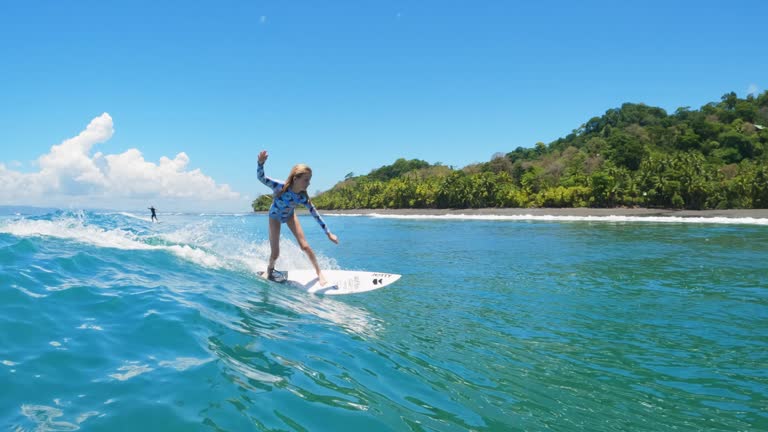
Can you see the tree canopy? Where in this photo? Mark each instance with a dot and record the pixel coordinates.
(715, 157)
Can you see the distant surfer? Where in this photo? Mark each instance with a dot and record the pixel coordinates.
(154, 215)
(286, 197)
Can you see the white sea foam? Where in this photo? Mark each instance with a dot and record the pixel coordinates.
(184, 363)
(553, 218)
(195, 255)
(196, 234)
(254, 257)
(131, 369)
(134, 216)
(226, 214)
(195, 243)
(76, 229)
(45, 417)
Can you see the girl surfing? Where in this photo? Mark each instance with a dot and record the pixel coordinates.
(286, 197)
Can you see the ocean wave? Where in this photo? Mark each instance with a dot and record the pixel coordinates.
(77, 229)
(202, 242)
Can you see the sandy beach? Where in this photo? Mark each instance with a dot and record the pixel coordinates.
(741, 213)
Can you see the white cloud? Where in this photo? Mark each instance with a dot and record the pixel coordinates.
(70, 174)
(753, 89)
(68, 168)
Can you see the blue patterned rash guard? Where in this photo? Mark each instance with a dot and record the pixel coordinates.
(283, 205)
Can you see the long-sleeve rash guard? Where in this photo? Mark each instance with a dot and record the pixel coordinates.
(283, 204)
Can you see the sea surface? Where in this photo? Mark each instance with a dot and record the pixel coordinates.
(109, 322)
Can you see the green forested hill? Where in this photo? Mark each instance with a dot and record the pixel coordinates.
(635, 155)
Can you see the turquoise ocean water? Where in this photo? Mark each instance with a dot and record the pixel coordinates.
(109, 322)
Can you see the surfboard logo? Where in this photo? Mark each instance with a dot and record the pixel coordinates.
(377, 281)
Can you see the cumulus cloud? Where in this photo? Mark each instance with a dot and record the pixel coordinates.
(68, 167)
(70, 170)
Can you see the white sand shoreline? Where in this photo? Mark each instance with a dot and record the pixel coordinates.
(578, 212)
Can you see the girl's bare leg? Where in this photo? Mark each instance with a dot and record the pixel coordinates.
(274, 244)
(295, 226)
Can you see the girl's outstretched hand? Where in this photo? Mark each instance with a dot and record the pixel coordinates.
(332, 237)
(263, 155)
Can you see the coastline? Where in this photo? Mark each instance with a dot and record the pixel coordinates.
(577, 212)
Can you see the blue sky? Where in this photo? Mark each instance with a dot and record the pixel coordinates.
(343, 86)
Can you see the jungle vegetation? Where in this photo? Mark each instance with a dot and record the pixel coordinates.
(715, 157)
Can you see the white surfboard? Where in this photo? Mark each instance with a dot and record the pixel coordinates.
(338, 281)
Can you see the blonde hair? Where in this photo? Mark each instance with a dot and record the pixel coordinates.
(298, 170)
